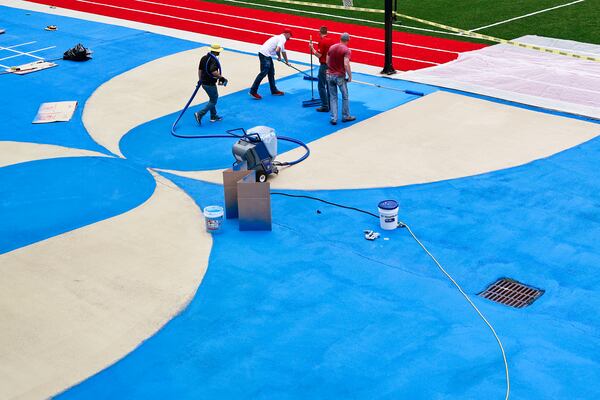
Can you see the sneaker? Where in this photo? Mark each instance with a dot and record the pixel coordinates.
(278, 93)
(333, 122)
(198, 118)
(351, 118)
(323, 109)
(216, 118)
(256, 95)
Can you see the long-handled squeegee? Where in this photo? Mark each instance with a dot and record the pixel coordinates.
(407, 91)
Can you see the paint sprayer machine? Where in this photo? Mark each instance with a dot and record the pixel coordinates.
(257, 150)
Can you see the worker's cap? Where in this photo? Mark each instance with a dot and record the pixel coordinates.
(288, 30)
(216, 48)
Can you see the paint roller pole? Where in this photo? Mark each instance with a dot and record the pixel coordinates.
(407, 91)
(292, 67)
(388, 67)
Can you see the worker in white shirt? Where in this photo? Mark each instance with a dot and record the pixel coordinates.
(275, 46)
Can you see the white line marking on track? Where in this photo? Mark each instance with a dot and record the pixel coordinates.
(342, 17)
(4, 66)
(293, 26)
(526, 15)
(234, 28)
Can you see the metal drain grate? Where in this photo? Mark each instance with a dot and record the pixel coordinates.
(511, 293)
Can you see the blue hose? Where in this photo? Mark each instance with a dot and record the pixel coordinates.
(230, 133)
(304, 157)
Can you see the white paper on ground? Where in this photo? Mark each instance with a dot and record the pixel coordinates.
(61, 111)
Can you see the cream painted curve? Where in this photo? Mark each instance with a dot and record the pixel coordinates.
(76, 303)
(158, 88)
(18, 152)
(440, 136)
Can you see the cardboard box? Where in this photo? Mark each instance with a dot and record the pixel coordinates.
(247, 200)
(230, 180)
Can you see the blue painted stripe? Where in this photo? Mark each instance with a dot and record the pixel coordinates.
(42, 199)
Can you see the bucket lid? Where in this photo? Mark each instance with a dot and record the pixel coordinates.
(213, 211)
(388, 204)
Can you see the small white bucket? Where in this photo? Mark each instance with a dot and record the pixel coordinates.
(213, 216)
(388, 214)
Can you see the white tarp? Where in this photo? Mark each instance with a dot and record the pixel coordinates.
(525, 76)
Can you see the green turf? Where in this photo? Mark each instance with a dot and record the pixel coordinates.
(580, 21)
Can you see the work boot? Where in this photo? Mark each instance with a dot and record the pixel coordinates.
(333, 122)
(348, 119)
(255, 96)
(278, 93)
(198, 118)
(323, 109)
(216, 118)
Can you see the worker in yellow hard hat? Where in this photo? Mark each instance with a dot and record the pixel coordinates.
(209, 76)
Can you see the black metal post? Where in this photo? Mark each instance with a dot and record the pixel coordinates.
(388, 67)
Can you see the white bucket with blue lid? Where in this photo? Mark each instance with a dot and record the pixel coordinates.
(213, 216)
(388, 214)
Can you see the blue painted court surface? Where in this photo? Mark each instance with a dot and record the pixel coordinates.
(312, 309)
(149, 145)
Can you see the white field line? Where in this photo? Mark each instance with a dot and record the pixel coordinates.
(9, 57)
(4, 66)
(342, 17)
(18, 45)
(234, 28)
(22, 53)
(527, 15)
(293, 26)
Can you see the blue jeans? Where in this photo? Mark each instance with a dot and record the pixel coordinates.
(323, 90)
(266, 69)
(333, 83)
(213, 97)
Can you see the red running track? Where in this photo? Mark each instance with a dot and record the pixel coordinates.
(410, 51)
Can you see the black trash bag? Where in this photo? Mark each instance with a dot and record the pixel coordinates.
(78, 53)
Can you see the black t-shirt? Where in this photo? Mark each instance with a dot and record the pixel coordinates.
(208, 63)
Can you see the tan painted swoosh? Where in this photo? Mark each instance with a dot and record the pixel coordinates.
(18, 152)
(76, 303)
(440, 136)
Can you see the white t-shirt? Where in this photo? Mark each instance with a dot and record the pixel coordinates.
(269, 47)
